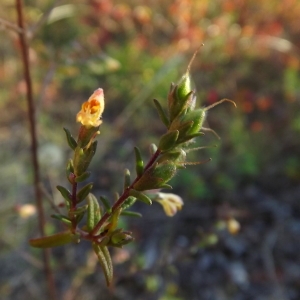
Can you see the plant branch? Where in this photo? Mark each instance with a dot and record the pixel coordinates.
(34, 145)
(124, 196)
(11, 26)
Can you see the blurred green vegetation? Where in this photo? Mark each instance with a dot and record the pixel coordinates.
(134, 50)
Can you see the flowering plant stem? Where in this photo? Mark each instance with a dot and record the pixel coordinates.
(123, 197)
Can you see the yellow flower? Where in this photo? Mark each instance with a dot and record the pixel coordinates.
(91, 110)
(171, 203)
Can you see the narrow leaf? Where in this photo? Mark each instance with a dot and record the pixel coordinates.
(93, 212)
(71, 141)
(105, 262)
(105, 202)
(126, 179)
(79, 216)
(62, 218)
(79, 210)
(161, 113)
(140, 196)
(190, 137)
(82, 194)
(168, 140)
(83, 157)
(83, 176)
(65, 193)
(138, 162)
(153, 149)
(130, 213)
(70, 166)
(54, 240)
(166, 186)
(128, 202)
(70, 171)
(114, 220)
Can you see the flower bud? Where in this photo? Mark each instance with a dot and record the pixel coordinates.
(168, 140)
(120, 238)
(176, 156)
(188, 124)
(83, 157)
(156, 176)
(184, 87)
(91, 110)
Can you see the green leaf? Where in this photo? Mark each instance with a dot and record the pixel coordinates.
(153, 149)
(83, 176)
(140, 196)
(93, 212)
(198, 117)
(105, 202)
(70, 171)
(128, 202)
(174, 156)
(83, 158)
(130, 213)
(79, 210)
(114, 219)
(156, 176)
(82, 194)
(70, 166)
(126, 179)
(105, 262)
(119, 238)
(168, 140)
(65, 193)
(62, 218)
(71, 141)
(79, 217)
(86, 135)
(184, 87)
(161, 113)
(139, 164)
(54, 240)
(166, 186)
(190, 137)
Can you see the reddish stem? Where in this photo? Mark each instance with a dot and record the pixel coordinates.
(74, 204)
(34, 146)
(124, 196)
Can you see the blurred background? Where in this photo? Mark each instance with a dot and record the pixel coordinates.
(237, 237)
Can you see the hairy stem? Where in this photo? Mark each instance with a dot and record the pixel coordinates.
(34, 145)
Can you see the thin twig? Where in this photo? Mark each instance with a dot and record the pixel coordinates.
(26, 256)
(34, 28)
(34, 146)
(9, 25)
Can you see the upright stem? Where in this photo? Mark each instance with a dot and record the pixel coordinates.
(73, 205)
(34, 146)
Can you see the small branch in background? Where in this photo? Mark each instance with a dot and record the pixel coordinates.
(49, 198)
(9, 25)
(26, 256)
(34, 29)
(34, 146)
